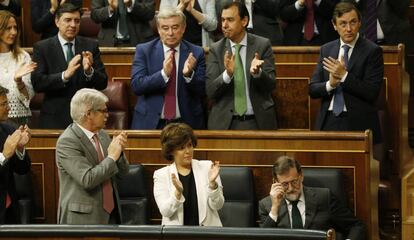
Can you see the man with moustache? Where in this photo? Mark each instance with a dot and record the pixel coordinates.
(292, 205)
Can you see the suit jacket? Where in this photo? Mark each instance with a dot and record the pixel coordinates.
(295, 20)
(43, 21)
(81, 176)
(138, 19)
(360, 88)
(7, 170)
(13, 7)
(149, 85)
(260, 89)
(323, 211)
(266, 22)
(172, 210)
(47, 79)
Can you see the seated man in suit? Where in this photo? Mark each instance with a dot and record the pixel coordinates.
(65, 64)
(87, 161)
(292, 205)
(168, 76)
(13, 159)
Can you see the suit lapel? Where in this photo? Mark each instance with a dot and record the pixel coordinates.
(250, 51)
(356, 53)
(184, 52)
(284, 221)
(159, 56)
(86, 142)
(60, 57)
(310, 199)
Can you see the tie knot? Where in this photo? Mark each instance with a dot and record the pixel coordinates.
(294, 203)
(172, 50)
(237, 47)
(346, 48)
(95, 138)
(69, 44)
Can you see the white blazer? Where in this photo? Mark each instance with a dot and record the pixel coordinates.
(209, 201)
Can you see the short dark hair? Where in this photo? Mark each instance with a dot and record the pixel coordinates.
(243, 12)
(283, 164)
(68, 7)
(344, 7)
(3, 91)
(174, 136)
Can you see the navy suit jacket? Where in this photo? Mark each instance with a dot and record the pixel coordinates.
(7, 185)
(323, 211)
(47, 79)
(148, 84)
(361, 87)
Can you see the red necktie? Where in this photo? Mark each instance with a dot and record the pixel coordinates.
(170, 98)
(8, 200)
(108, 197)
(309, 21)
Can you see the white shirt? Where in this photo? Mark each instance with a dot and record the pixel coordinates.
(300, 8)
(301, 206)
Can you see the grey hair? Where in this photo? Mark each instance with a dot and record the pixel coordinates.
(84, 100)
(168, 12)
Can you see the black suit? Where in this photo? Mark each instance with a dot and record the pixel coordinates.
(323, 211)
(47, 78)
(360, 88)
(265, 20)
(295, 20)
(13, 7)
(7, 185)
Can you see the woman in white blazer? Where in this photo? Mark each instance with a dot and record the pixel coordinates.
(188, 191)
(207, 18)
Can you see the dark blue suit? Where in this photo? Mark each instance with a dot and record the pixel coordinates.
(149, 85)
(361, 87)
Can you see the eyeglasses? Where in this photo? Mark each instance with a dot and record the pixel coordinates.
(294, 183)
(103, 110)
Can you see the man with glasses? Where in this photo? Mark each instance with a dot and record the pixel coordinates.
(292, 205)
(168, 76)
(88, 162)
(13, 159)
(348, 77)
(65, 64)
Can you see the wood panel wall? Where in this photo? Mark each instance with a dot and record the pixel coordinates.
(350, 152)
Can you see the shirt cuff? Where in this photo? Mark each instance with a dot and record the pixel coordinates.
(164, 75)
(63, 78)
(298, 7)
(129, 9)
(20, 155)
(344, 77)
(188, 79)
(226, 77)
(5, 3)
(2, 159)
(329, 88)
(109, 13)
(318, 2)
(258, 74)
(89, 76)
(273, 216)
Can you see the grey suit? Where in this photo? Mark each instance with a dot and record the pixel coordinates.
(138, 22)
(323, 211)
(81, 176)
(260, 88)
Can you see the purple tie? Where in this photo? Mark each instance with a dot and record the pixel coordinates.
(170, 98)
(339, 102)
(371, 20)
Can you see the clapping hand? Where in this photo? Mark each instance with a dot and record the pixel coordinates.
(256, 64)
(178, 186)
(213, 173)
(87, 61)
(229, 61)
(189, 65)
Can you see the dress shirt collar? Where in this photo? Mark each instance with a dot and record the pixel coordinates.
(63, 41)
(88, 133)
(243, 42)
(167, 49)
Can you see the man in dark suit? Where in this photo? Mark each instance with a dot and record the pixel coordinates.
(318, 13)
(65, 64)
(292, 205)
(123, 25)
(240, 82)
(168, 77)
(13, 159)
(348, 77)
(88, 162)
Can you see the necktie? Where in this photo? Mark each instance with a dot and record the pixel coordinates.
(309, 20)
(240, 102)
(122, 20)
(371, 20)
(338, 104)
(108, 197)
(69, 52)
(8, 200)
(296, 217)
(170, 99)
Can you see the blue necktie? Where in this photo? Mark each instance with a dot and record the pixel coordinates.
(338, 104)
